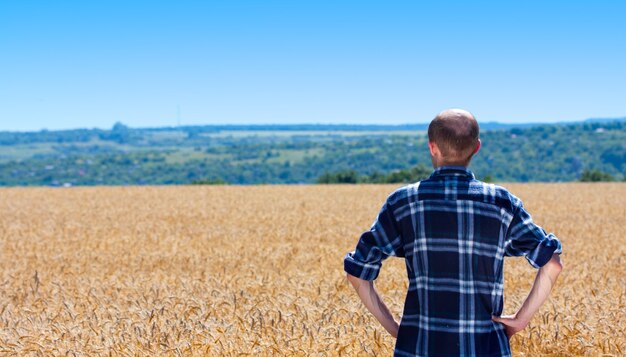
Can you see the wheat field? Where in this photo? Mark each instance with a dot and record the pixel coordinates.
(258, 270)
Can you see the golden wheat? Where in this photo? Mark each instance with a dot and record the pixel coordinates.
(258, 270)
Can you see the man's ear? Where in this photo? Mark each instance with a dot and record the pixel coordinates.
(434, 149)
(477, 147)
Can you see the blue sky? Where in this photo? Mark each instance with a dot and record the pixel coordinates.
(69, 64)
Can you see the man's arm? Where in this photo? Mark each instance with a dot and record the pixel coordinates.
(545, 280)
(372, 301)
(382, 240)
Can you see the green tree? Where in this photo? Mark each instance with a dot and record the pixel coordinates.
(416, 173)
(595, 176)
(209, 182)
(346, 176)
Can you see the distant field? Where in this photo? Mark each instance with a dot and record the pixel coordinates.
(176, 142)
(257, 270)
(24, 151)
(297, 154)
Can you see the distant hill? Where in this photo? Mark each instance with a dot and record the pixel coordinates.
(82, 134)
(251, 154)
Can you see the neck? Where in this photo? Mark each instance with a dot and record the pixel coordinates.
(437, 165)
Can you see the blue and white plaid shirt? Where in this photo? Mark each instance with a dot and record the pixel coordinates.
(453, 232)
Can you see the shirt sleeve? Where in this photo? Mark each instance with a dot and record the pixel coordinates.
(381, 241)
(525, 238)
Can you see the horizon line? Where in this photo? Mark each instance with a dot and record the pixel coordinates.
(527, 123)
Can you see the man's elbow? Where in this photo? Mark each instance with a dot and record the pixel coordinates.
(350, 277)
(355, 281)
(555, 264)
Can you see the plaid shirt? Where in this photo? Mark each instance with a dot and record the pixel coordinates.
(453, 232)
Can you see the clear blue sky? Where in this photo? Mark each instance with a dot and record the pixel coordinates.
(68, 64)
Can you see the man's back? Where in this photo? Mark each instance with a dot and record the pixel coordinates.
(453, 232)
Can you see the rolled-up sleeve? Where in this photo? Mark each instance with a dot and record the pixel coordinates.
(527, 239)
(375, 245)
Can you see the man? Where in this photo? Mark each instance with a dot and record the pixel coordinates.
(453, 232)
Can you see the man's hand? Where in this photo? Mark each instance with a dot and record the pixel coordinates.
(545, 280)
(512, 324)
(372, 301)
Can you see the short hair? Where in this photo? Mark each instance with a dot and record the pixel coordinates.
(455, 131)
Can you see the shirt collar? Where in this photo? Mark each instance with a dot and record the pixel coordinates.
(452, 170)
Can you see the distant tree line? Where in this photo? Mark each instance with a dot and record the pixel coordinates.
(597, 176)
(587, 152)
(416, 173)
(209, 182)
